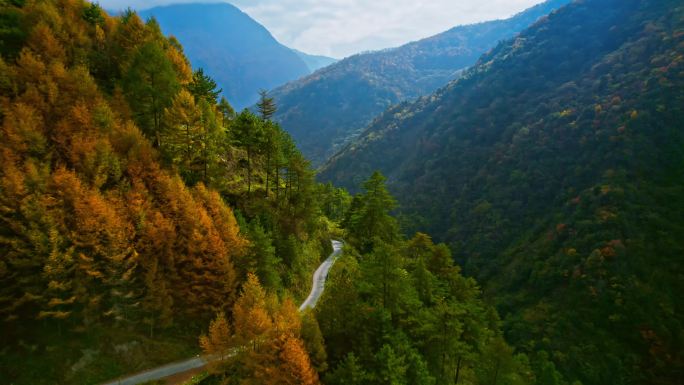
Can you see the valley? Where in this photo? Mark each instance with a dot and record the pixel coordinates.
(510, 193)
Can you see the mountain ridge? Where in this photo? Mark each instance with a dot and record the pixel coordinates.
(553, 169)
(327, 109)
(234, 49)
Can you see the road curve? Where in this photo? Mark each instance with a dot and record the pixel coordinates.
(197, 362)
(319, 277)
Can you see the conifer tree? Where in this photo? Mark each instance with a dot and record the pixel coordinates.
(150, 85)
(227, 112)
(266, 105)
(371, 219)
(203, 87)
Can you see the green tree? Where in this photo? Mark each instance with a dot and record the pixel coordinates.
(249, 133)
(227, 112)
(371, 220)
(262, 259)
(313, 340)
(93, 14)
(203, 87)
(390, 367)
(150, 85)
(348, 372)
(266, 105)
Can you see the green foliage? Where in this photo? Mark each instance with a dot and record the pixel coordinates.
(227, 112)
(106, 250)
(348, 372)
(150, 85)
(314, 342)
(93, 14)
(266, 105)
(329, 109)
(12, 35)
(335, 202)
(369, 220)
(553, 169)
(261, 259)
(203, 87)
(403, 309)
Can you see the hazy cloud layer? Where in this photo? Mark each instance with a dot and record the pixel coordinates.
(340, 28)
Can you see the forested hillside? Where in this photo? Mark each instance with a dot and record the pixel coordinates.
(554, 169)
(328, 109)
(314, 62)
(133, 203)
(238, 52)
(395, 311)
(138, 212)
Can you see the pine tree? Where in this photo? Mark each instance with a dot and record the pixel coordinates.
(371, 219)
(250, 313)
(249, 133)
(348, 372)
(218, 343)
(150, 85)
(227, 112)
(261, 258)
(295, 367)
(266, 105)
(203, 87)
(313, 340)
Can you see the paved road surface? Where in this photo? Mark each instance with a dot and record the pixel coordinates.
(320, 275)
(179, 367)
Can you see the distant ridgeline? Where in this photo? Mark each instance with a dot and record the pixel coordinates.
(239, 53)
(328, 109)
(554, 168)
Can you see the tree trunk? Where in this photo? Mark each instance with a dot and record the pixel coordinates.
(268, 166)
(458, 369)
(249, 170)
(496, 372)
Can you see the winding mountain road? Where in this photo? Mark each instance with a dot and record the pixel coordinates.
(320, 276)
(162, 372)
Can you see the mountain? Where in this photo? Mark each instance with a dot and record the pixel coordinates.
(554, 168)
(119, 179)
(235, 50)
(329, 108)
(315, 62)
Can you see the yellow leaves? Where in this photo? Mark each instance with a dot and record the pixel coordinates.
(43, 41)
(223, 220)
(59, 302)
(54, 314)
(29, 67)
(22, 129)
(566, 113)
(296, 365)
(180, 65)
(287, 319)
(80, 115)
(219, 340)
(99, 35)
(94, 221)
(265, 343)
(605, 214)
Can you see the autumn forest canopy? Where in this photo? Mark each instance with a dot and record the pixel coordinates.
(527, 232)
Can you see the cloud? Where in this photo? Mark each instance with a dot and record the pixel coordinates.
(340, 28)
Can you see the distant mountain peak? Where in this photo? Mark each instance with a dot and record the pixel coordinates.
(238, 52)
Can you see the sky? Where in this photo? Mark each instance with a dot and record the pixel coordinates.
(339, 28)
